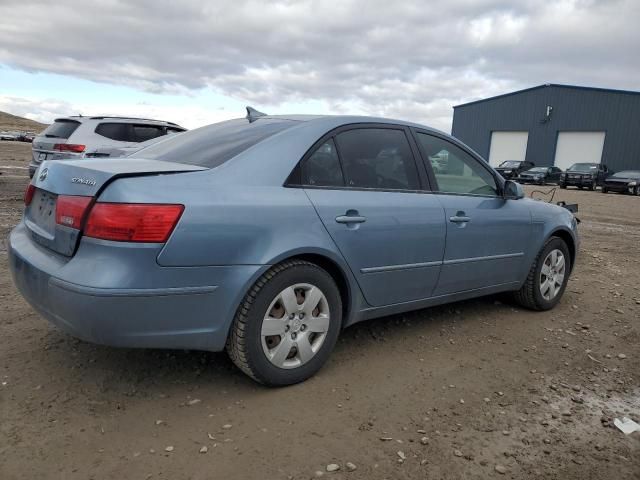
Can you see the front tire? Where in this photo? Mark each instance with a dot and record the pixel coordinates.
(287, 325)
(605, 190)
(547, 277)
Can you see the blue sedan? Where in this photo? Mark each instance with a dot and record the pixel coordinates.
(267, 235)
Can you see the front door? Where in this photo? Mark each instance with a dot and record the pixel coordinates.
(487, 235)
(390, 232)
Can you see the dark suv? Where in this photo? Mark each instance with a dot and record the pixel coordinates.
(581, 175)
(513, 168)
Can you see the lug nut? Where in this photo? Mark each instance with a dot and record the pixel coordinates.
(292, 316)
(303, 327)
(293, 336)
(301, 315)
(286, 328)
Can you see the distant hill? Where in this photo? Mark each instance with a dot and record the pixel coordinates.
(13, 122)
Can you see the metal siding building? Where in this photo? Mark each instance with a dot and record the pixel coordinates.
(613, 114)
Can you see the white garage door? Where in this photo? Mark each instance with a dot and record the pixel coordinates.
(507, 146)
(578, 147)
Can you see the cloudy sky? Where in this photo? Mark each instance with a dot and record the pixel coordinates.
(199, 61)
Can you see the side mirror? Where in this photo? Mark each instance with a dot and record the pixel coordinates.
(513, 190)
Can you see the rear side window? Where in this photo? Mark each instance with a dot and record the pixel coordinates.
(142, 133)
(322, 168)
(377, 158)
(114, 131)
(213, 145)
(61, 129)
(127, 132)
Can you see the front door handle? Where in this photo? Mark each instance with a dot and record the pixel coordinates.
(352, 216)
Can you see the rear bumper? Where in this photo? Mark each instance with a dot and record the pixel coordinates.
(105, 295)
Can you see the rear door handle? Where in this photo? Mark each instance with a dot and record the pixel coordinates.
(460, 217)
(352, 216)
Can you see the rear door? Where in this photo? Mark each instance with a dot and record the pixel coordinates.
(366, 187)
(487, 235)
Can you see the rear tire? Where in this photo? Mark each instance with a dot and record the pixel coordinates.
(593, 186)
(544, 272)
(604, 190)
(279, 339)
(563, 186)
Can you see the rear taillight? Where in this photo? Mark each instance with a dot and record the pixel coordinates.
(69, 147)
(71, 209)
(28, 194)
(133, 222)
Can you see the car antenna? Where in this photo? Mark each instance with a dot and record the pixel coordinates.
(253, 114)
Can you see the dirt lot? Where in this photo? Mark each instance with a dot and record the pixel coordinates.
(479, 389)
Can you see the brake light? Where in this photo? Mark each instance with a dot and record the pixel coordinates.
(69, 147)
(71, 209)
(28, 194)
(133, 222)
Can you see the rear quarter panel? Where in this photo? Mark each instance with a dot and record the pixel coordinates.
(229, 224)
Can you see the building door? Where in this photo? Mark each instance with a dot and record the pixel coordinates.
(507, 146)
(578, 147)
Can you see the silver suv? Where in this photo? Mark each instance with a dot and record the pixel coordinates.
(79, 137)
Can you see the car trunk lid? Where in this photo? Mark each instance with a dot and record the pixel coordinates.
(77, 184)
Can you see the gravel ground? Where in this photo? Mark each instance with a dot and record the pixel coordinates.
(478, 389)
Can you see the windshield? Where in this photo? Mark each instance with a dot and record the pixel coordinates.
(627, 174)
(510, 164)
(583, 167)
(538, 169)
(213, 145)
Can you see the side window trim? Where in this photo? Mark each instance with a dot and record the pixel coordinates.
(499, 182)
(424, 182)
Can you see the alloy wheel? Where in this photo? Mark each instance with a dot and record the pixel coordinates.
(552, 274)
(295, 325)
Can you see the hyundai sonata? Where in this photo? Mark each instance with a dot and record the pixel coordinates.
(267, 235)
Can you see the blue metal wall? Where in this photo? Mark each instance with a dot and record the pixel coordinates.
(574, 109)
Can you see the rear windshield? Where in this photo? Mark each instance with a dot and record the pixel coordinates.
(61, 129)
(538, 169)
(213, 145)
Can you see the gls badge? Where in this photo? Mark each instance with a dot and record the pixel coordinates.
(83, 181)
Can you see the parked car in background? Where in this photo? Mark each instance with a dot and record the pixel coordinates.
(26, 137)
(102, 152)
(627, 181)
(76, 137)
(513, 168)
(581, 175)
(8, 136)
(268, 235)
(540, 175)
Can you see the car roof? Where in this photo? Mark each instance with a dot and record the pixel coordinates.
(335, 121)
(82, 118)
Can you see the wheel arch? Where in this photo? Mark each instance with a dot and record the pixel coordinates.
(338, 270)
(568, 238)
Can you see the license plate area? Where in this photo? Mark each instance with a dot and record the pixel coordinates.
(42, 211)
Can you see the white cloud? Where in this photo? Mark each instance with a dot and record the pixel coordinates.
(410, 59)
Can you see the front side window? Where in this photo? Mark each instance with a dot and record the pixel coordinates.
(322, 168)
(378, 158)
(455, 170)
